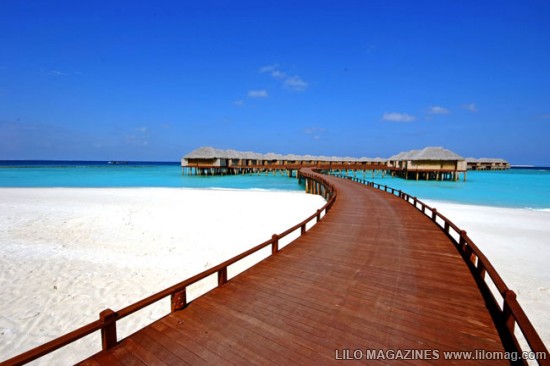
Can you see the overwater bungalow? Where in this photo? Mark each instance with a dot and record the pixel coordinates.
(487, 164)
(249, 158)
(205, 157)
(430, 163)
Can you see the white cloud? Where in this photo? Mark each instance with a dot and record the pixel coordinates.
(138, 136)
(438, 110)
(314, 132)
(296, 83)
(269, 68)
(57, 73)
(138, 140)
(239, 103)
(257, 93)
(398, 117)
(290, 82)
(278, 74)
(470, 107)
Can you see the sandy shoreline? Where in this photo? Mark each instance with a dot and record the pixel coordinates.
(107, 248)
(67, 254)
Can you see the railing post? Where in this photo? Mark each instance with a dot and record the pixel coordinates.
(303, 229)
(481, 269)
(178, 300)
(108, 330)
(434, 214)
(318, 215)
(275, 244)
(507, 315)
(222, 276)
(468, 252)
(462, 240)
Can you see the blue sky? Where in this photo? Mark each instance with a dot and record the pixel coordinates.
(131, 80)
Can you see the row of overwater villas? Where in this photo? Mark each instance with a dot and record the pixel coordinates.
(430, 163)
(487, 164)
(212, 157)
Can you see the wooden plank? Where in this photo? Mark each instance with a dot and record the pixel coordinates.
(125, 356)
(88, 362)
(183, 338)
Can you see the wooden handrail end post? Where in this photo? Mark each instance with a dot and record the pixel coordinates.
(108, 330)
(462, 240)
(178, 300)
(275, 244)
(222, 276)
(507, 316)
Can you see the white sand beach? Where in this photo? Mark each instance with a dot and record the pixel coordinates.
(67, 254)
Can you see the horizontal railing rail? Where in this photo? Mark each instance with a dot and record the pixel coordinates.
(507, 312)
(108, 318)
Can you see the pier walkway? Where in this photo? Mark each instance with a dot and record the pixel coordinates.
(375, 274)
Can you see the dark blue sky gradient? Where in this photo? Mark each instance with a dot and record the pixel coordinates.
(130, 80)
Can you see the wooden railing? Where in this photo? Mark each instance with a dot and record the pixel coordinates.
(506, 311)
(107, 322)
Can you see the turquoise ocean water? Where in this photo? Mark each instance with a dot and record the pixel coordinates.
(524, 188)
(518, 188)
(87, 174)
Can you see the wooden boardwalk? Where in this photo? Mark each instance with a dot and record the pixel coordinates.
(374, 274)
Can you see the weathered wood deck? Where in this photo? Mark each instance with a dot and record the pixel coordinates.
(374, 274)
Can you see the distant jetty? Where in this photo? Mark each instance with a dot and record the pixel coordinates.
(429, 163)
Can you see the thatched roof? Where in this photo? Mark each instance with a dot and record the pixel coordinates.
(428, 153)
(205, 152)
(291, 157)
(492, 160)
(372, 160)
(400, 156)
(486, 160)
(233, 154)
(436, 153)
(272, 156)
(253, 156)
